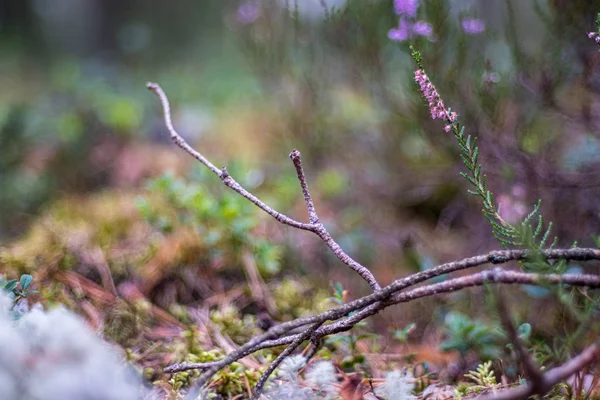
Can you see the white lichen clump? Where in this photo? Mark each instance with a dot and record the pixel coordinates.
(288, 387)
(55, 356)
(396, 387)
(322, 377)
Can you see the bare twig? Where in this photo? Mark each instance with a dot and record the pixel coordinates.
(548, 379)
(171, 369)
(313, 226)
(322, 232)
(312, 213)
(179, 141)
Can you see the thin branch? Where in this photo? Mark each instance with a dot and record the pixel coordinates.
(223, 174)
(288, 350)
(322, 232)
(312, 213)
(316, 343)
(496, 275)
(179, 141)
(273, 335)
(180, 367)
(549, 379)
(313, 226)
(345, 258)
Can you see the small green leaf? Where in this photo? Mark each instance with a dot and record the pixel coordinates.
(10, 285)
(524, 331)
(26, 281)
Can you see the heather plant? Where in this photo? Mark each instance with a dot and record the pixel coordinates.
(533, 237)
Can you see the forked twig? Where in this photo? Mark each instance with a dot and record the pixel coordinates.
(313, 226)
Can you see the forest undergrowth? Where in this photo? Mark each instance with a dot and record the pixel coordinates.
(184, 290)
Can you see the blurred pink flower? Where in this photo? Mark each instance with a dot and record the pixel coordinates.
(472, 26)
(248, 12)
(594, 36)
(406, 30)
(422, 28)
(402, 32)
(511, 209)
(406, 7)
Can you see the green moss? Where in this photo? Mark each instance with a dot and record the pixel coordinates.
(230, 322)
(125, 321)
(296, 298)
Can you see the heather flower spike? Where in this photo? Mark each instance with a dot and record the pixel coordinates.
(523, 234)
(435, 102)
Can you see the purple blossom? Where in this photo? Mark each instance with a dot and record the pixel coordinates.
(402, 32)
(472, 26)
(422, 28)
(407, 30)
(406, 7)
(248, 12)
(435, 102)
(594, 36)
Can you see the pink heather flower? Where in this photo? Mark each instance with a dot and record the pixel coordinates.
(436, 105)
(406, 30)
(511, 209)
(422, 28)
(472, 26)
(402, 32)
(406, 7)
(248, 12)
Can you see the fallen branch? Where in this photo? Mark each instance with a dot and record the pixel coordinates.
(497, 276)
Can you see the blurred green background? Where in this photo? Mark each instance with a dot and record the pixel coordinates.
(249, 81)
